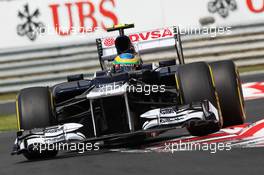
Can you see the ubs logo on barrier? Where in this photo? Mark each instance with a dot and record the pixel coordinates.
(222, 7)
(30, 27)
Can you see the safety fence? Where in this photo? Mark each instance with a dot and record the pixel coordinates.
(46, 66)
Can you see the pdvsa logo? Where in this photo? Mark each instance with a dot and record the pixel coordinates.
(151, 35)
(144, 36)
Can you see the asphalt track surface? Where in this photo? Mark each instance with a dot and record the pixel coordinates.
(236, 161)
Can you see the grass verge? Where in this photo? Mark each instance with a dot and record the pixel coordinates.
(8, 96)
(254, 68)
(8, 123)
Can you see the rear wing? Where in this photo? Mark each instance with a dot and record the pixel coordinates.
(143, 42)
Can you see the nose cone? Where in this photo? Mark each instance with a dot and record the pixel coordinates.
(72, 127)
(151, 114)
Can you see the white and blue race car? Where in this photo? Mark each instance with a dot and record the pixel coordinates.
(128, 100)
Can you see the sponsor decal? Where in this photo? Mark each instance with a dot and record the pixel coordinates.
(31, 26)
(109, 42)
(253, 6)
(165, 111)
(143, 36)
(171, 120)
(54, 130)
(86, 11)
(222, 7)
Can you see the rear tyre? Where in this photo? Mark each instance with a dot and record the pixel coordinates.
(195, 83)
(228, 87)
(35, 110)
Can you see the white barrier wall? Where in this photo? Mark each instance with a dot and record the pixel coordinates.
(82, 20)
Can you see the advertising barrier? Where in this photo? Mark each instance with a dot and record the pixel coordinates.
(30, 23)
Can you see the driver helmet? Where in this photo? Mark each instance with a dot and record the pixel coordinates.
(123, 44)
(127, 62)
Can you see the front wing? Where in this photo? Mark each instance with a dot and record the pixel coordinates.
(156, 121)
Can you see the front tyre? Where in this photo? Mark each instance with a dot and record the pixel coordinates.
(228, 87)
(35, 110)
(195, 83)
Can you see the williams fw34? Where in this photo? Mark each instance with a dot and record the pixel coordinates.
(128, 100)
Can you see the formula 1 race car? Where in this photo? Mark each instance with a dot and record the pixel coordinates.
(130, 99)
